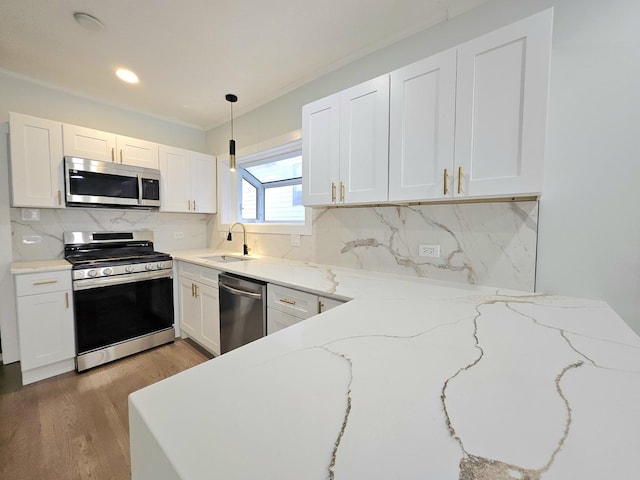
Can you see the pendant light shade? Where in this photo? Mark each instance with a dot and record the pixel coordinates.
(231, 98)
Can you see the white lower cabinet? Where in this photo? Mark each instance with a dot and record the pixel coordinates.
(45, 324)
(286, 306)
(199, 305)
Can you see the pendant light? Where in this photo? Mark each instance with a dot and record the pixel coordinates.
(231, 98)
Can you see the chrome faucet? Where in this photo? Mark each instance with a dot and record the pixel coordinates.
(245, 247)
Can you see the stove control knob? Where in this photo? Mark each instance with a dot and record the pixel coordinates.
(92, 273)
(149, 266)
(107, 271)
(128, 269)
(160, 265)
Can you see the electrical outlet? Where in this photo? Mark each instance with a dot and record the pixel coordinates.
(295, 240)
(178, 235)
(429, 251)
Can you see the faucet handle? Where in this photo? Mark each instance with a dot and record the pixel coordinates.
(245, 249)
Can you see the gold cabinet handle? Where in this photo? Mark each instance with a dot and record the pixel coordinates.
(45, 282)
(459, 180)
(59, 197)
(193, 289)
(341, 192)
(446, 182)
(320, 306)
(189, 205)
(113, 154)
(197, 292)
(194, 205)
(120, 155)
(333, 192)
(66, 298)
(287, 301)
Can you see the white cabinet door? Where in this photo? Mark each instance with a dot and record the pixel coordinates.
(210, 315)
(188, 181)
(190, 319)
(175, 178)
(36, 162)
(501, 109)
(89, 143)
(326, 303)
(277, 320)
(321, 151)
(203, 182)
(133, 151)
(422, 122)
(108, 147)
(364, 142)
(46, 329)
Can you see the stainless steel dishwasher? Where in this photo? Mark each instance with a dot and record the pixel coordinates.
(243, 311)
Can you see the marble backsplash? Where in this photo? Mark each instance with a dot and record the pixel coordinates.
(480, 243)
(43, 239)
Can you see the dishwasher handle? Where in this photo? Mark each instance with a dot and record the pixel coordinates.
(243, 293)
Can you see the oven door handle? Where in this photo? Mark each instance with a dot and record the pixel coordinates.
(89, 283)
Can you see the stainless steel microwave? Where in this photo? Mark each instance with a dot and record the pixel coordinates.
(92, 183)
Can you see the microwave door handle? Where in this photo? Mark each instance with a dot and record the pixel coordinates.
(139, 189)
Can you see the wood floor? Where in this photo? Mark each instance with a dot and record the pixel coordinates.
(76, 426)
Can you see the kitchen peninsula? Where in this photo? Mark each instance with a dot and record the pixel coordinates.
(413, 378)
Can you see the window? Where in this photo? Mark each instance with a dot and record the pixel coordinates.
(265, 191)
(271, 189)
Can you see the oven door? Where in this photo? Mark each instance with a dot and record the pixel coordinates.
(112, 310)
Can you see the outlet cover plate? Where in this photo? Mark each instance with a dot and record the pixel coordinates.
(432, 251)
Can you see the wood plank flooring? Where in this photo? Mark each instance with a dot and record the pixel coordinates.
(76, 426)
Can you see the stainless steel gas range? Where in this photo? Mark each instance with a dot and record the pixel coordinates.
(122, 295)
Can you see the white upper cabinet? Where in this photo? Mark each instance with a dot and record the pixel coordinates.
(188, 181)
(36, 162)
(466, 123)
(422, 122)
(133, 151)
(345, 146)
(320, 150)
(501, 109)
(203, 182)
(364, 142)
(108, 147)
(89, 143)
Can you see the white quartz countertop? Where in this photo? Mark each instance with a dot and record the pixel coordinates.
(36, 266)
(412, 379)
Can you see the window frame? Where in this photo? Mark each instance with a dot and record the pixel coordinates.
(228, 184)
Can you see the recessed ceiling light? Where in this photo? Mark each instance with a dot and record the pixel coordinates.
(127, 75)
(88, 21)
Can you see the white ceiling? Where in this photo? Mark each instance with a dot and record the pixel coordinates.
(189, 54)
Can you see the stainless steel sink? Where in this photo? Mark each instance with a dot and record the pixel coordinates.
(224, 258)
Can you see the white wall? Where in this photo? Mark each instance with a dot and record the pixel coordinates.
(21, 95)
(589, 231)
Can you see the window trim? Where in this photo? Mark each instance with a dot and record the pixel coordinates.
(228, 200)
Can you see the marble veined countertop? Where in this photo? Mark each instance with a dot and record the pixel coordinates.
(413, 379)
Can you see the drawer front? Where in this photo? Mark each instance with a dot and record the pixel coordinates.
(42, 282)
(199, 273)
(294, 302)
(277, 320)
